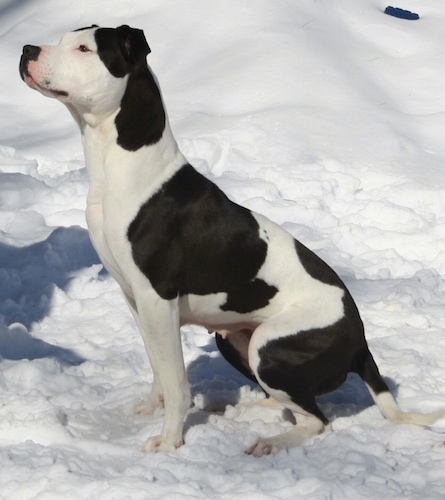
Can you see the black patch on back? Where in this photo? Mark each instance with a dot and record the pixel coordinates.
(316, 267)
(189, 238)
(141, 119)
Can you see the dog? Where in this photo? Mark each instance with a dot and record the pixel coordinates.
(183, 253)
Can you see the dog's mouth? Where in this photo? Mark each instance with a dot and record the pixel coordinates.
(59, 93)
(44, 88)
(30, 55)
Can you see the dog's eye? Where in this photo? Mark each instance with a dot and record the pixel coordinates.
(84, 48)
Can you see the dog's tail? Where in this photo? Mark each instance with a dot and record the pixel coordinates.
(386, 402)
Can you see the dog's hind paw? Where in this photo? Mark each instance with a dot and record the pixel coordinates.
(261, 448)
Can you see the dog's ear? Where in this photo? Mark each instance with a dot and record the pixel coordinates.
(87, 27)
(121, 49)
(133, 44)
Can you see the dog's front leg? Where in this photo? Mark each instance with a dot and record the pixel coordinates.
(158, 321)
(156, 397)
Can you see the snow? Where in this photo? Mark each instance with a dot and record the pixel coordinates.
(328, 117)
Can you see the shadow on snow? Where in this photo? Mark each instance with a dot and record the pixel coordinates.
(29, 276)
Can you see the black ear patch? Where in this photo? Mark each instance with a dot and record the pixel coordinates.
(141, 119)
(133, 44)
(120, 49)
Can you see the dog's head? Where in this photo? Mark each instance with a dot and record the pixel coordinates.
(88, 68)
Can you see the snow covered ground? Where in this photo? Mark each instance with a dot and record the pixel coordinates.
(328, 117)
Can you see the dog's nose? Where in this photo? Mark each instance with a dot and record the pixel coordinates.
(31, 52)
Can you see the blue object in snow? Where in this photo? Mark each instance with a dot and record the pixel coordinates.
(403, 14)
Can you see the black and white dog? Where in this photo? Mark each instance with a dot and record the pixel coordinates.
(182, 252)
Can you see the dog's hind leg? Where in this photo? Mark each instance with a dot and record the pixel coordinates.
(291, 366)
(307, 427)
(310, 421)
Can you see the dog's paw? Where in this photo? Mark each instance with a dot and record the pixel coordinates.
(156, 443)
(261, 448)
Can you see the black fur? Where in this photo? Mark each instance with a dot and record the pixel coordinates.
(232, 356)
(141, 119)
(85, 28)
(316, 267)
(120, 49)
(189, 238)
(313, 362)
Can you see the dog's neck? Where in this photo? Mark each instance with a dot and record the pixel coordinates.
(105, 156)
(86, 117)
(138, 126)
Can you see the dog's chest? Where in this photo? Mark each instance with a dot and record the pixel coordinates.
(114, 198)
(120, 182)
